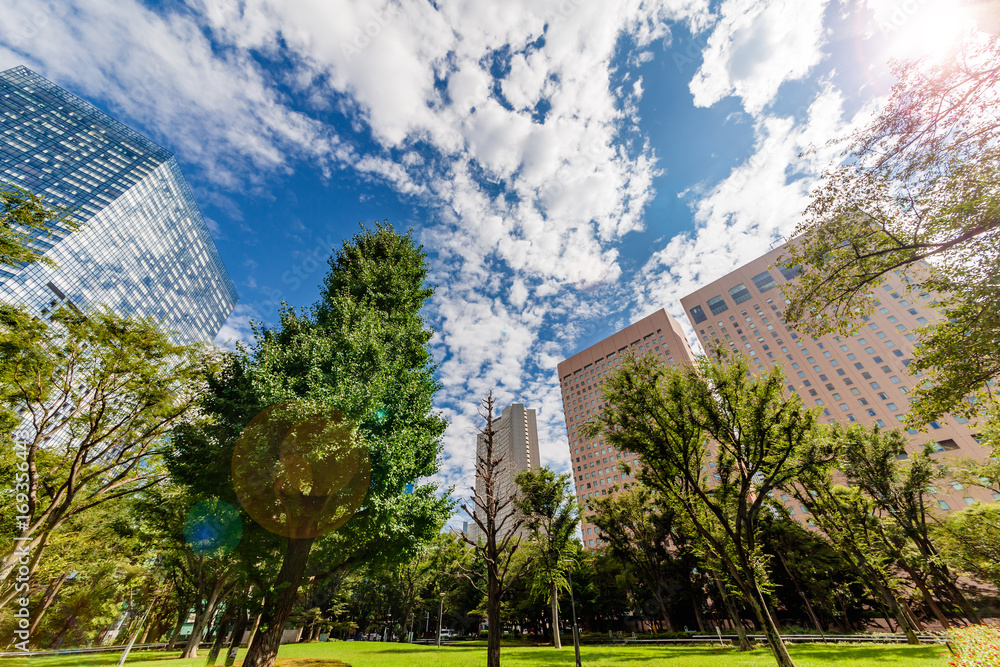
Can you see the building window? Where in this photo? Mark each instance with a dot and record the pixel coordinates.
(740, 293)
(698, 315)
(764, 281)
(790, 272)
(717, 305)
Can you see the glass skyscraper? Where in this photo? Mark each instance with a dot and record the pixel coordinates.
(144, 248)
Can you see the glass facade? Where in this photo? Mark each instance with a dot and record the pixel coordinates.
(144, 248)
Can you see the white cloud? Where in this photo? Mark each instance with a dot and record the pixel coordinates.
(755, 47)
(505, 120)
(736, 221)
(216, 109)
(236, 328)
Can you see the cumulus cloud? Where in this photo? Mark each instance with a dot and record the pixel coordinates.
(215, 107)
(755, 47)
(509, 123)
(735, 220)
(519, 126)
(236, 328)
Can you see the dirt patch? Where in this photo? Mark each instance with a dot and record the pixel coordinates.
(309, 662)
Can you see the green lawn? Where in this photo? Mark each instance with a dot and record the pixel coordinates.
(375, 654)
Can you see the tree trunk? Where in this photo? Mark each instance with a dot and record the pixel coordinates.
(492, 619)
(556, 639)
(758, 603)
(663, 611)
(278, 604)
(805, 599)
(182, 615)
(253, 630)
(696, 604)
(220, 636)
(234, 644)
(917, 579)
(958, 596)
(734, 616)
(894, 605)
(201, 621)
(50, 596)
(154, 619)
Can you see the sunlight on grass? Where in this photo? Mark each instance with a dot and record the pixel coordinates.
(376, 654)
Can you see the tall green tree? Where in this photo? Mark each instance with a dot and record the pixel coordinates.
(870, 459)
(850, 519)
(917, 192)
(638, 531)
(25, 216)
(99, 394)
(551, 515)
(351, 377)
(969, 541)
(681, 419)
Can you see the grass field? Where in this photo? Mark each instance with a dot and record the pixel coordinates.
(375, 654)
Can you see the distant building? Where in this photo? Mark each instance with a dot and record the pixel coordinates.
(595, 464)
(862, 378)
(144, 249)
(516, 441)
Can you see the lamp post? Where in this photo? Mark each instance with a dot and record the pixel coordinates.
(440, 614)
(576, 631)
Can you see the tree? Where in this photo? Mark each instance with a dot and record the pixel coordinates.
(870, 460)
(99, 394)
(970, 541)
(342, 398)
(917, 193)
(500, 531)
(638, 531)
(23, 218)
(680, 419)
(849, 519)
(551, 515)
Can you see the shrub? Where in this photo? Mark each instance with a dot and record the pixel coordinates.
(975, 646)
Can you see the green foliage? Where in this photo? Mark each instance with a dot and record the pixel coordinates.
(362, 351)
(105, 390)
(681, 419)
(970, 541)
(918, 185)
(23, 217)
(551, 516)
(638, 529)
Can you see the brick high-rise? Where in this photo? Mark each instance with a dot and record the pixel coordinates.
(595, 464)
(861, 378)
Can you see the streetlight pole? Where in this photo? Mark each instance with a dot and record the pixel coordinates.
(440, 614)
(576, 631)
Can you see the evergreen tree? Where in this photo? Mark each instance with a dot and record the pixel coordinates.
(551, 515)
(346, 385)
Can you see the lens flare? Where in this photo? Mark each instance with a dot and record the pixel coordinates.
(300, 469)
(213, 528)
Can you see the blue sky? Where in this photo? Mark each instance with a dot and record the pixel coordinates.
(570, 166)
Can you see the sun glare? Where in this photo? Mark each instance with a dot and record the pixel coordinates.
(923, 28)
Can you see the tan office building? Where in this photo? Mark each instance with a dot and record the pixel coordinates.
(516, 441)
(595, 464)
(861, 378)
